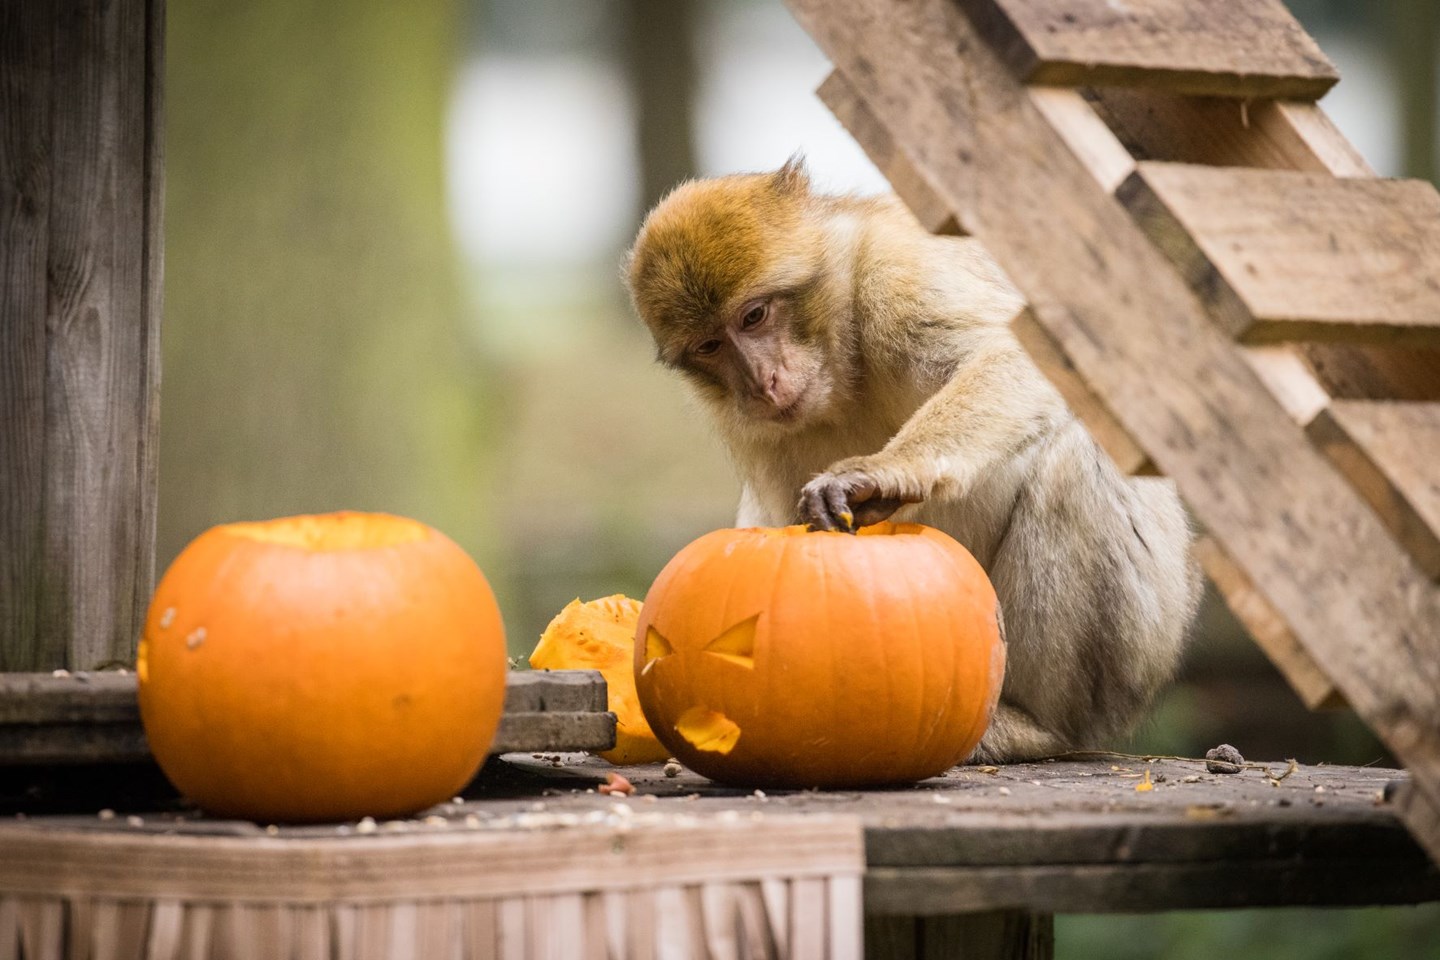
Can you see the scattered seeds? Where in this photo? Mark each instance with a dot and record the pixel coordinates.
(366, 825)
(273, 830)
(195, 638)
(987, 769)
(106, 814)
(1004, 791)
(135, 821)
(60, 673)
(1146, 784)
(672, 768)
(167, 618)
(1192, 778)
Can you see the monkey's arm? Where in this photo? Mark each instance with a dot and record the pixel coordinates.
(994, 404)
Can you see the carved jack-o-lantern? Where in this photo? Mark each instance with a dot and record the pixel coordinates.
(787, 657)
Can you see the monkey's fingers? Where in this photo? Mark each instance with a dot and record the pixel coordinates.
(837, 504)
(813, 509)
(876, 509)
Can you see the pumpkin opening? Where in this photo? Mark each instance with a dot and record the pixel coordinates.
(327, 532)
(656, 646)
(708, 730)
(737, 644)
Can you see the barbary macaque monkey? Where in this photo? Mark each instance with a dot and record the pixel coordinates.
(858, 367)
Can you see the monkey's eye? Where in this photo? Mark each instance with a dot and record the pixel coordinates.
(753, 316)
(708, 347)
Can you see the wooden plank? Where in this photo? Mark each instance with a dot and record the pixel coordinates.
(95, 717)
(1421, 814)
(1280, 135)
(869, 131)
(1267, 627)
(1086, 134)
(1221, 132)
(1391, 454)
(1090, 409)
(1283, 256)
(1142, 341)
(1230, 48)
(433, 864)
(25, 89)
(81, 304)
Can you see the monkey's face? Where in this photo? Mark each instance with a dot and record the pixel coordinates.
(759, 360)
(728, 275)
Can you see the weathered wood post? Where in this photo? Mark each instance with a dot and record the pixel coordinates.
(81, 195)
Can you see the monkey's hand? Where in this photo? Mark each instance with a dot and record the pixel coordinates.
(852, 494)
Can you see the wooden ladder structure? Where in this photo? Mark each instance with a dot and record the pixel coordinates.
(1220, 287)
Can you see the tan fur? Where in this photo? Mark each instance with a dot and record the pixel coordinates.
(912, 393)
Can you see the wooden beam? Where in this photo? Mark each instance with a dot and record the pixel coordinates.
(1231, 48)
(80, 287)
(95, 718)
(1267, 627)
(1284, 256)
(1391, 454)
(1278, 135)
(869, 131)
(1143, 342)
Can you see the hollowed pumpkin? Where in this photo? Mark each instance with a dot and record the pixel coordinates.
(321, 668)
(785, 657)
(600, 635)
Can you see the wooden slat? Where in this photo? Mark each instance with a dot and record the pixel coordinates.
(80, 238)
(1267, 627)
(869, 131)
(1283, 256)
(1391, 454)
(1231, 48)
(95, 717)
(1279, 135)
(1086, 134)
(1142, 341)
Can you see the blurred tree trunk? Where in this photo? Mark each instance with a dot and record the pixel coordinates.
(660, 62)
(313, 353)
(1415, 35)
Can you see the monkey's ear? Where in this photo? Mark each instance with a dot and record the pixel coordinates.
(792, 177)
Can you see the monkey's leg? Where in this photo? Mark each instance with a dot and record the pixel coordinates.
(1014, 735)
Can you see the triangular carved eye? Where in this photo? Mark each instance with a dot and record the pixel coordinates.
(736, 644)
(656, 646)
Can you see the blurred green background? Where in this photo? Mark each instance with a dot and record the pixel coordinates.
(392, 283)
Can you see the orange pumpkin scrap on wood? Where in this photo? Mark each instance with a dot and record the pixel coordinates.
(321, 668)
(787, 657)
(600, 635)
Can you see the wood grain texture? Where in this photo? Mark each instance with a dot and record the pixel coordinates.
(1146, 346)
(1390, 452)
(1284, 256)
(81, 298)
(1231, 48)
(869, 131)
(1279, 135)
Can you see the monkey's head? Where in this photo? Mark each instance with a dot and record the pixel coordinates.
(731, 276)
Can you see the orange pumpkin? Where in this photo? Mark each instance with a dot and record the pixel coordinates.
(600, 635)
(321, 668)
(785, 657)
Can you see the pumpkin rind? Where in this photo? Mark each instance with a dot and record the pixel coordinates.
(321, 668)
(842, 660)
(600, 635)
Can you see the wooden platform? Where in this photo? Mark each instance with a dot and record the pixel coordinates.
(517, 857)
